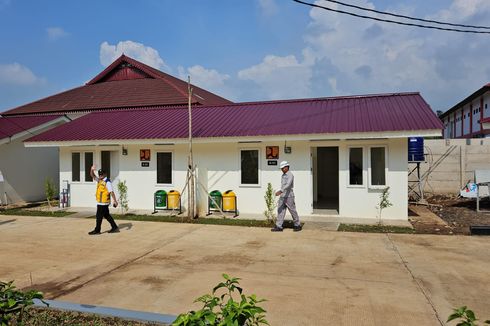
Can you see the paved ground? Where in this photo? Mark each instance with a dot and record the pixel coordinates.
(314, 277)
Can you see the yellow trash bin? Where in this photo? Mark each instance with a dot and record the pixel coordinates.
(229, 201)
(173, 199)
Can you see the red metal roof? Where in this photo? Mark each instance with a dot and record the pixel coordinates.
(372, 113)
(125, 83)
(10, 126)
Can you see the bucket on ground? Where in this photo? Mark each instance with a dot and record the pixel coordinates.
(229, 202)
(160, 199)
(173, 199)
(217, 197)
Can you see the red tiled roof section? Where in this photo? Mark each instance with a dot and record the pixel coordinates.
(144, 87)
(10, 126)
(377, 113)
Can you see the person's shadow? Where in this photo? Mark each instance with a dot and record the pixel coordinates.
(126, 226)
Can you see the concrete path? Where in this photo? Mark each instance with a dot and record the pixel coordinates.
(314, 277)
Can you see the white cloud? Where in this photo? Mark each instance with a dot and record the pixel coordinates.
(135, 50)
(345, 55)
(280, 77)
(55, 33)
(268, 7)
(19, 75)
(202, 77)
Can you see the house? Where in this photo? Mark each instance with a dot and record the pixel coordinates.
(343, 151)
(23, 170)
(470, 117)
(125, 84)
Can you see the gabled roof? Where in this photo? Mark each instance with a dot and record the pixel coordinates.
(356, 114)
(485, 88)
(125, 83)
(12, 126)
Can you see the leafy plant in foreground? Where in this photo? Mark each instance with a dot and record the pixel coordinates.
(13, 302)
(466, 317)
(224, 310)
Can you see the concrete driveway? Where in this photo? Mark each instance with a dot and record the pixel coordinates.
(314, 277)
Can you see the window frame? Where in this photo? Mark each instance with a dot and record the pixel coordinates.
(172, 175)
(82, 166)
(259, 165)
(370, 185)
(364, 183)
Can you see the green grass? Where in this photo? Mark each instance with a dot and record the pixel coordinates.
(375, 228)
(26, 212)
(42, 317)
(181, 219)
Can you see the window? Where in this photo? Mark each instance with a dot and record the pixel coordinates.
(355, 166)
(249, 167)
(75, 166)
(89, 161)
(106, 162)
(378, 165)
(164, 167)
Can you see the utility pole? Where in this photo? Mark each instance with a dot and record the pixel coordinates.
(191, 195)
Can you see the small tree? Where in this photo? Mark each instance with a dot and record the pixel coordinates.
(123, 196)
(384, 202)
(50, 190)
(270, 204)
(229, 308)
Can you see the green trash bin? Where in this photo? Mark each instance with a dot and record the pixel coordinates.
(218, 200)
(160, 199)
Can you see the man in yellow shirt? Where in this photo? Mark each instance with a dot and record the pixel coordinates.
(103, 196)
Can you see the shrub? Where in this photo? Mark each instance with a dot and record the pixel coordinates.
(49, 190)
(123, 196)
(224, 310)
(384, 202)
(270, 204)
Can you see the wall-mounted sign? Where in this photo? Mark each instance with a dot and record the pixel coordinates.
(145, 164)
(272, 152)
(145, 155)
(271, 162)
(287, 149)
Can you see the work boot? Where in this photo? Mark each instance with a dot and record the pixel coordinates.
(297, 228)
(276, 229)
(94, 232)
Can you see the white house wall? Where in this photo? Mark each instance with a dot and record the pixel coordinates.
(24, 171)
(219, 169)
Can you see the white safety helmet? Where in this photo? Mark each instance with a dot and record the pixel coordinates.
(283, 164)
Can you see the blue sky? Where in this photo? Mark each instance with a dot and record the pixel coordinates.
(244, 50)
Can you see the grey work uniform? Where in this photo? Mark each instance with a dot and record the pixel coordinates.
(286, 200)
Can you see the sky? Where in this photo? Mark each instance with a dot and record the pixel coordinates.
(244, 50)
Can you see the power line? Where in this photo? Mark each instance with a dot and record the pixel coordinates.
(391, 21)
(407, 17)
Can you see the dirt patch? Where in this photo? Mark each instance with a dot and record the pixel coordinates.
(236, 259)
(460, 213)
(156, 282)
(254, 244)
(339, 260)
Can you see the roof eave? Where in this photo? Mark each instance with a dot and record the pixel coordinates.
(269, 138)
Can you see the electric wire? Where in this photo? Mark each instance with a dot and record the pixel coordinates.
(391, 21)
(406, 17)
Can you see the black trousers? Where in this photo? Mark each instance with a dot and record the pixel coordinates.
(103, 212)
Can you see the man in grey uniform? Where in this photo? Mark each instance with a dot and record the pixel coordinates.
(286, 199)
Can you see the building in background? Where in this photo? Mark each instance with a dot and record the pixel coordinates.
(470, 118)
